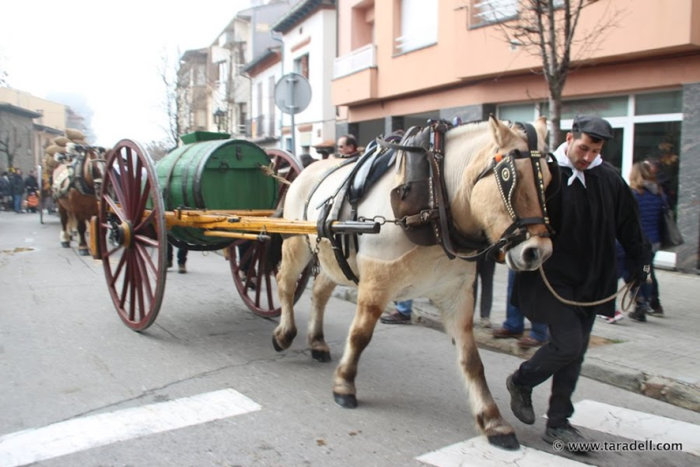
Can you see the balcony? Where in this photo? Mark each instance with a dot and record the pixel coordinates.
(262, 127)
(355, 77)
(357, 60)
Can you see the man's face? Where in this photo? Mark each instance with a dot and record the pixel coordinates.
(343, 147)
(582, 151)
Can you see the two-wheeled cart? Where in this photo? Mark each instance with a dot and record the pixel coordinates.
(209, 194)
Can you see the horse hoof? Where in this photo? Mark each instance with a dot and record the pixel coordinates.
(65, 244)
(84, 252)
(321, 355)
(508, 442)
(346, 401)
(276, 345)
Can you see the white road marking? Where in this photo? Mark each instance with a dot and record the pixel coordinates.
(635, 425)
(477, 452)
(58, 439)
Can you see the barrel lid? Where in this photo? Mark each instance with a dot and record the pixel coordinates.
(197, 136)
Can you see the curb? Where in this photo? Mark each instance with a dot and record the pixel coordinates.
(674, 392)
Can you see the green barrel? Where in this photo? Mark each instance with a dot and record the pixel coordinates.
(214, 174)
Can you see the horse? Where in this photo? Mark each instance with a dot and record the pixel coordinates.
(76, 186)
(390, 267)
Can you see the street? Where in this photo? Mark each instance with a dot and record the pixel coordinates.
(78, 388)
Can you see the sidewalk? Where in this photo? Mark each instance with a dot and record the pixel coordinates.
(659, 358)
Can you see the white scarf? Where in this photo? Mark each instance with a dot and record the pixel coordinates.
(564, 161)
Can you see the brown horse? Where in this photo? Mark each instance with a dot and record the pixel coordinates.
(76, 185)
(390, 267)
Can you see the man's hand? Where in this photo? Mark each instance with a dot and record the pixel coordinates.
(641, 275)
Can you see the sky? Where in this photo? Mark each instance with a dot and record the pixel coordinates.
(106, 53)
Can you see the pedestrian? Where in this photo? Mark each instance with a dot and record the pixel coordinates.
(347, 147)
(591, 207)
(32, 201)
(17, 188)
(30, 183)
(5, 191)
(401, 315)
(652, 203)
(485, 268)
(181, 258)
(514, 325)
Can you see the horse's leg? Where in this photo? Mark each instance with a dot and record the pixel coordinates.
(82, 245)
(65, 236)
(370, 305)
(295, 257)
(458, 317)
(322, 290)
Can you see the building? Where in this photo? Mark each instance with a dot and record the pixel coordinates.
(214, 90)
(17, 137)
(308, 33)
(401, 62)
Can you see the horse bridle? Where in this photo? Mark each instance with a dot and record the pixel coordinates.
(503, 168)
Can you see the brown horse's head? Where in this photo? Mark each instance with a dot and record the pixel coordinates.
(507, 179)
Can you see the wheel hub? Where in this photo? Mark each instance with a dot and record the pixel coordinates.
(121, 234)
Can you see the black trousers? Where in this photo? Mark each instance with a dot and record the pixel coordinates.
(181, 255)
(561, 360)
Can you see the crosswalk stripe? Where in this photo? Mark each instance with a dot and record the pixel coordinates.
(635, 425)
(28, 446)
(477, 452)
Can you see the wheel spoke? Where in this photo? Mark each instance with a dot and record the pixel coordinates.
(146, 222)
(111, 179)
(147, 260)
(115, 207)
(122, 261)
(123, 182)
(268, 283)
(146, 240)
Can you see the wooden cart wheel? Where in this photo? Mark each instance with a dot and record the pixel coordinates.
(133, 247)
(256, 285)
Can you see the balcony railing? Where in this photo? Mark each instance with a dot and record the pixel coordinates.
(357, 60)
(262, 125)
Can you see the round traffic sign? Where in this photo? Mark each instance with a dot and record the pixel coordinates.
(292, 93)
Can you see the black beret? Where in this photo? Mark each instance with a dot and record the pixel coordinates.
(592, 126)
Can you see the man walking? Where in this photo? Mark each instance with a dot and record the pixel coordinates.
(593, 207)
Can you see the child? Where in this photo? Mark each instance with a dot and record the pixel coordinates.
(32, 201)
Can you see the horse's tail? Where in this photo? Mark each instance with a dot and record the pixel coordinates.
(274, 245)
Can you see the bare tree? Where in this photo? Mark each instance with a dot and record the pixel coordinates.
(172, 104)
(548, 29)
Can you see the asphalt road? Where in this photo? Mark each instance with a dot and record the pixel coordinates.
(66, 357)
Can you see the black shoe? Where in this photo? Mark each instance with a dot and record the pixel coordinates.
(170, 263)
(521, 401)
(638, 315)
(570, 437)
(182, 269)
(656, 309)
(395, 318)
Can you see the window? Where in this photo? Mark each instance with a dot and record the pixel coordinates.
(301, 66)
(484, 12)
(659, 103)
(419, 25)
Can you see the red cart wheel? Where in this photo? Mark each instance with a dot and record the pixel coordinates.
(256, 285)
(133, 247)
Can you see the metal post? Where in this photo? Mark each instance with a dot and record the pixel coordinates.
(279, 39)
(291, 104)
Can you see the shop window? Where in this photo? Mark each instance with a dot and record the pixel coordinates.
(604, 107)
(658, 103)
(517, 112)
(418, 25)
(660, 141)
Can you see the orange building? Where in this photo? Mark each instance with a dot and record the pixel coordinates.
(401, 62)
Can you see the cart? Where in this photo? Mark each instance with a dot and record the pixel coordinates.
(212, 193)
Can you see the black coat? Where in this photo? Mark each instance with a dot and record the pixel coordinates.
(17, 184)
(31, 184)
(587, 220)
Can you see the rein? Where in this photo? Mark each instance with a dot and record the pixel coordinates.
(624, 289)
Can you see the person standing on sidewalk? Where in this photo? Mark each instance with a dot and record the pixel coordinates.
(514, 325)
(592, 207)
(181, 258)
(652, 203)
(17, 189)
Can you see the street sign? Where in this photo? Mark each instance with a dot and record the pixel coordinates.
(292, 93)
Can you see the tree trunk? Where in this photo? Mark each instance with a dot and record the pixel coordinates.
(554, 121)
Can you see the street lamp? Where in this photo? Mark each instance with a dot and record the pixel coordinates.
(220, 119)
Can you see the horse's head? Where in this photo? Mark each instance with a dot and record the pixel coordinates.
(507, 199)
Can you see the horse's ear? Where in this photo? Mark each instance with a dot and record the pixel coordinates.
(502, 135)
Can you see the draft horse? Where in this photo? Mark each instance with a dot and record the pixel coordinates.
(76, 186)
(390, 267)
